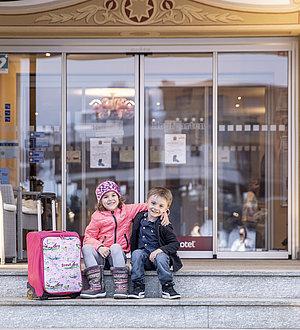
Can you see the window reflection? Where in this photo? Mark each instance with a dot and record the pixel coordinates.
(178, 107)
(30, 160)
(100, 140)
(252, 151)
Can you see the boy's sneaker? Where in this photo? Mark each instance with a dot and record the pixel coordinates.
(168, 292)
(138, 291)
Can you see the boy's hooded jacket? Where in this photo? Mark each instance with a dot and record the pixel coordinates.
(166, 237)
(107, 228)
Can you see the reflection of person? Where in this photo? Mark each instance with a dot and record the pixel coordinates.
(154, 246)
(39, 185)
(243, 243)
(250, 205)
(204, 230)
(106, 239)
(195, 230)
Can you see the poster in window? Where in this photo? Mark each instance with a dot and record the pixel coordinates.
(175, 149)
(100, 153)
(156, 155)
(126, 155)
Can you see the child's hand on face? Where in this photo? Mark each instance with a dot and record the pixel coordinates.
(165, 218)
(153, 254)
(104, 251)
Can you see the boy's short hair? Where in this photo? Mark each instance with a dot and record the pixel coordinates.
(161, 192)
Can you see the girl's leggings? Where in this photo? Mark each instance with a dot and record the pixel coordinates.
(92, 257)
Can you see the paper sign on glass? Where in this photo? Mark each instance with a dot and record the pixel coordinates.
(223, 155)
(175, 149)
(126, 155)
(100, 153)
(156, 156)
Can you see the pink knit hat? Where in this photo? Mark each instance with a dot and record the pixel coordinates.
(105, 187)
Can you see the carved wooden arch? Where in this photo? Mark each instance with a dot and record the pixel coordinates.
(147, 18)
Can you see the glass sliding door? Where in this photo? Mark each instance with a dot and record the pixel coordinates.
(100, 130)
(252, 152)
(30, 134)
(178, 142)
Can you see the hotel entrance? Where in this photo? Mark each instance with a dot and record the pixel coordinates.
(211, 125)
(147, 121)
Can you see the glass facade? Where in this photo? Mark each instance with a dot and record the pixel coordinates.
(212, 127)
(252, 151)
(178, 141)
(30, 137)
(100, 130)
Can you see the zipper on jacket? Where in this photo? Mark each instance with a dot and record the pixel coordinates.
(103, 240)
(116, 225)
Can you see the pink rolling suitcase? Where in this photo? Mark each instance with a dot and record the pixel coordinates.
(53, 264)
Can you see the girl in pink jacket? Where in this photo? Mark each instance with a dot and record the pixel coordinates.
(106, 240)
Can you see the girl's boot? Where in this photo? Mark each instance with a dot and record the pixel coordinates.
(95, 277)
(120, 277)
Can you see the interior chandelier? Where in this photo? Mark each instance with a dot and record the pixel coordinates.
(113, 107)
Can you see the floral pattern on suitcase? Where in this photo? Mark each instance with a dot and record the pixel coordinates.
(62, 264)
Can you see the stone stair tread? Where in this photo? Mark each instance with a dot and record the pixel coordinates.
(187, 272)
(22, 301)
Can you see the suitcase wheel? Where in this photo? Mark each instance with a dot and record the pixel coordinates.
(74, 295)
(30, 294)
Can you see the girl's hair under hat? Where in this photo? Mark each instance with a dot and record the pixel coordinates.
(107, 186)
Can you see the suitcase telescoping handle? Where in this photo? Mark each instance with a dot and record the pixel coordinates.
(39, 214)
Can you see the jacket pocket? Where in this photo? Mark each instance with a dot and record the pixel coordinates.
(127, 243)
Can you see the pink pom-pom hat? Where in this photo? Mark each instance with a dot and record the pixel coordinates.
(105, 187)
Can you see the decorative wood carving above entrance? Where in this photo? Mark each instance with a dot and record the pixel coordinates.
(142, 12)
(147, 18)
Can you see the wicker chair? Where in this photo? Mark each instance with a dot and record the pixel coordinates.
(8, 212)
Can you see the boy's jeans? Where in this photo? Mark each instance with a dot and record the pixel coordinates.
(141, 262)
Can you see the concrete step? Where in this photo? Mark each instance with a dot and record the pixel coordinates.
(192, 283)
(232, 313)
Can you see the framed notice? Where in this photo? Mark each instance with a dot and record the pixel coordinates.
(126, 154)
(100, 153)
(175, 149)
(73, 156)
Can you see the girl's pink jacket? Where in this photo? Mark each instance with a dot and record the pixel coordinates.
(107, 228)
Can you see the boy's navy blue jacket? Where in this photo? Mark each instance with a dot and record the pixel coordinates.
(166, 237)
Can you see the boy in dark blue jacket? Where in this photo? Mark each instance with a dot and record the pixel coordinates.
(154, 246)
